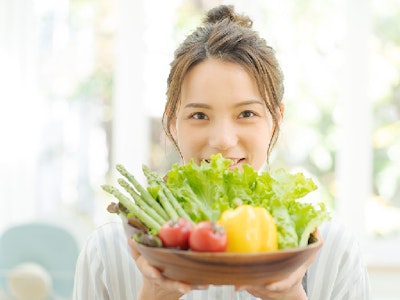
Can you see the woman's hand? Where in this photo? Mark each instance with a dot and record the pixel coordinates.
(155, 285)
(289, 288)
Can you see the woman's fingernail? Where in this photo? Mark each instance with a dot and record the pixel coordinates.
(182, 290)
(200, 287)
(271, 288)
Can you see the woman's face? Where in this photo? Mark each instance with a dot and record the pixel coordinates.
(221, 111)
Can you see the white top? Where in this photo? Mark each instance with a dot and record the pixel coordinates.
(105, 269)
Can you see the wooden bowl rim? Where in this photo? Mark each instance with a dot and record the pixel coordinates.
(315, 244)
(227, 268)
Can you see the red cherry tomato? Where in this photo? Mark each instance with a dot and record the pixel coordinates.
(175, 233)
(208, 236)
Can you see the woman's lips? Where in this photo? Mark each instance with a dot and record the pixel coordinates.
(236, 162)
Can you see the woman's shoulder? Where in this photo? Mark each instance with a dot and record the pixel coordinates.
(108, 236)
(105, 268)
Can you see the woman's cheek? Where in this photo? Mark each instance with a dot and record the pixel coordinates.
(189, 145)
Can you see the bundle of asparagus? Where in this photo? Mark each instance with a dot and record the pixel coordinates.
(145, 210)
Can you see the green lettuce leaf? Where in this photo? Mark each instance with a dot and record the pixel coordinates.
(206, 190)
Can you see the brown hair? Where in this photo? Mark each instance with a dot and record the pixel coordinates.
(227, 36)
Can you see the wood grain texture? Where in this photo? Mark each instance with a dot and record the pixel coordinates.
(199, 268)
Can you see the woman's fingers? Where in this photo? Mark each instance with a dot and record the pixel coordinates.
(288, 288)
(145, 268)
(153, 275)
(134, 252)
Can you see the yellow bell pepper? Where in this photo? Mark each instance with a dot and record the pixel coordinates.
(249, 229)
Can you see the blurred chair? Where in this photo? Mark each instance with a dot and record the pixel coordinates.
(38, 257)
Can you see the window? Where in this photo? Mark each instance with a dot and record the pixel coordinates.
(82, 95)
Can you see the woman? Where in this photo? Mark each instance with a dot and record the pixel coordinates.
(224, 96)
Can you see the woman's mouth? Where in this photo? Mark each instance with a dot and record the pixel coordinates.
(236, 162)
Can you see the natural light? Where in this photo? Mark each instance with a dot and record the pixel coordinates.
(83, 88)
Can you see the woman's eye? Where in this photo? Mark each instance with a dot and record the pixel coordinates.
(247, 114)
(199, 116)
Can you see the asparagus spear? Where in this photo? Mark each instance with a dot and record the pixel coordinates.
(144, 194)
(141, 203)
(133, 208)
(154, 178)
(167, 205)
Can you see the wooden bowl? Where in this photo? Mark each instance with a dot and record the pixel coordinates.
(226, 268)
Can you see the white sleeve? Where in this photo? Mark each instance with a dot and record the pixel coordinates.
(339, 271)
(105, 268)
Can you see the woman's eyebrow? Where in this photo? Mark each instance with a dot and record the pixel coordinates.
(249, 102)
(207, 106)
(197, 105)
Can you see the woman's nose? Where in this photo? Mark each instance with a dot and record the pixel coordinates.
(223, 136)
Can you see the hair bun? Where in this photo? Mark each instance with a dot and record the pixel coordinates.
(224, 12)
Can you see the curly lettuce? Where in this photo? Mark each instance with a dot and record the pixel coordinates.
(206, 190)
